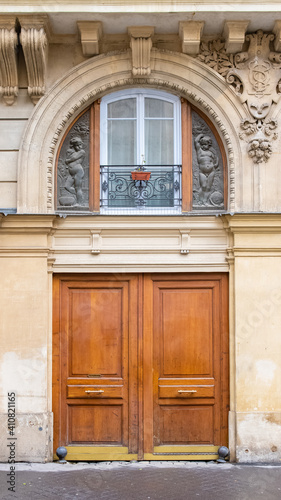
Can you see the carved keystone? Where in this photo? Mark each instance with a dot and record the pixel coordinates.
(8, 61)
(35, 31)
(141, 45)
(190, 33)
(90, 33)
(234, 34)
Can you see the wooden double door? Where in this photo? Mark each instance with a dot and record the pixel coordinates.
(140, 366)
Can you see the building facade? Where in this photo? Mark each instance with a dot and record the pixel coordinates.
(140, 229)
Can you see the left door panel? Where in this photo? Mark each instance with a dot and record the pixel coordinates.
(95, 353)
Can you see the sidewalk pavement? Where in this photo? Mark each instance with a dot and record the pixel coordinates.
(142, 481)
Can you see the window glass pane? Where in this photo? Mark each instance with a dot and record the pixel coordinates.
(121, 142)
(159, 142)
(125, 108)
(156, 108)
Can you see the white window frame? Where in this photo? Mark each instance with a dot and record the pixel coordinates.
(140, 94)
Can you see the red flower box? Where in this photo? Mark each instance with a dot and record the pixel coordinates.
(140, 175)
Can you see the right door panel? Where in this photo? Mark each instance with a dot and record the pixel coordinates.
(190, 370)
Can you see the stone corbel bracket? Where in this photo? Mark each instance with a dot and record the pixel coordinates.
(90, 34)
(141, 45)
(34, 35)
(8, 59)
(190, 33)
(234, 34)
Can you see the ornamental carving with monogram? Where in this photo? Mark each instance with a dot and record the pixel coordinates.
(255, 75)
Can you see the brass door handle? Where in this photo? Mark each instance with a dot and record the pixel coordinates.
(191, 391)
(97, 392)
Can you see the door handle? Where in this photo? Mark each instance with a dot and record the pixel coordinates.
(191, 391)
(97, 392)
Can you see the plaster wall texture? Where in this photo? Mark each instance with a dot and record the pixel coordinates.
(258, 346)
(256, 367)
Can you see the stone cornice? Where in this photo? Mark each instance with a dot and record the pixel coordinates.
(254, 223)
(141, 6)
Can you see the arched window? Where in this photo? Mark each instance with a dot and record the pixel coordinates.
(141, 151)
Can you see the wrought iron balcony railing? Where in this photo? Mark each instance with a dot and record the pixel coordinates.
(127, 187)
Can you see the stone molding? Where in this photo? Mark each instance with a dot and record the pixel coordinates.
(90, 34)
(34, 40)
(8, 59)
(190, 33)
(141, 45)
(82, 85)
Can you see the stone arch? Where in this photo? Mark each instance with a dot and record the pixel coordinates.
(174, 72)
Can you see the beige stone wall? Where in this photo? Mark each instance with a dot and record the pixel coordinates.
(256, 367)
(25, 295)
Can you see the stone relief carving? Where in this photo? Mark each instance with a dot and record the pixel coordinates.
(73, 167)
(213, 53)
(207, 167)
(255, 75)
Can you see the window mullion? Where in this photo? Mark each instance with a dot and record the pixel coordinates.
(186, 125)
(141, 139)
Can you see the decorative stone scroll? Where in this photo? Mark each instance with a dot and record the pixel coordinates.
(73, 167)
(255, 76)
(141, 45)
(8, 61)
(207, 167)
(34, 40)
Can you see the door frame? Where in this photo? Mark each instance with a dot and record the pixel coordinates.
(144, 349)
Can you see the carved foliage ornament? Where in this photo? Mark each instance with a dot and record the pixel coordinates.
(255, 76)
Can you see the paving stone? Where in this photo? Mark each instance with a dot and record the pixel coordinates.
(140, 481)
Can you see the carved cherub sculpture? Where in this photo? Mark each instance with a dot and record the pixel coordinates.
(208, 163)
(74, 159)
